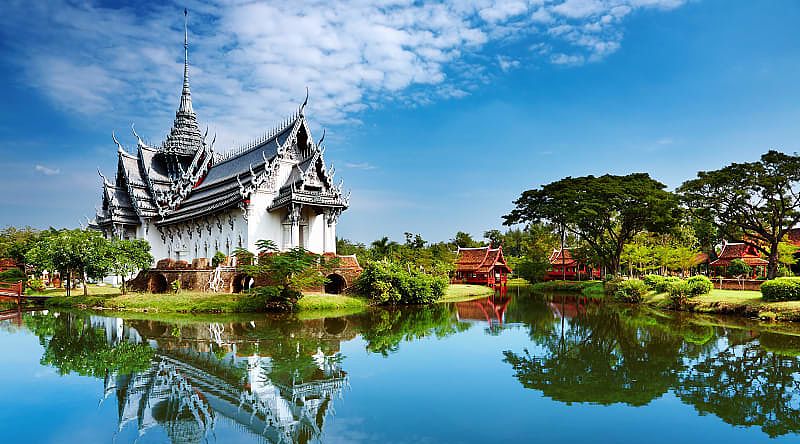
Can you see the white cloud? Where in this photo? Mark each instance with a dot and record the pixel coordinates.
(507, 63)
(359, 166)
(250, 62)
(567, 59)
(47, 171)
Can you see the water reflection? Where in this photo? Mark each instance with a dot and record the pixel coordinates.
(275, 383)
(280, 379)
(587, 352)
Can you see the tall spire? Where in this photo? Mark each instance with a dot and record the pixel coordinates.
(186, 94)
(184, 139)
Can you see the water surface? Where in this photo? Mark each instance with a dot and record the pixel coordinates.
(514, 367)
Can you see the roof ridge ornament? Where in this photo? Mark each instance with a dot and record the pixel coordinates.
(120, 148)
(139, 142)
(303, 106)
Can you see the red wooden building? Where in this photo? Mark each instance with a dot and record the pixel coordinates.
(740, 250)
(482, 265)
(564, 266)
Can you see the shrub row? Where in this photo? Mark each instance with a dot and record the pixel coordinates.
(781, 289)
(634, 290)
(390, 284)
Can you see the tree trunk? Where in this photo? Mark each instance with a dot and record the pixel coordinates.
(85, 289)
(69, 283)
(772, 267)
(123, 284)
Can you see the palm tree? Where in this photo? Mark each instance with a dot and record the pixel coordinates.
(383, 247)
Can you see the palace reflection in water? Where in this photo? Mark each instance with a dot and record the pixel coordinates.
(282, 379)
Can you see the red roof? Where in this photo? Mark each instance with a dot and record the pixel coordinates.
(740, 250)
(481, 259)
(793, 236)
(562, 257)
(349, 261)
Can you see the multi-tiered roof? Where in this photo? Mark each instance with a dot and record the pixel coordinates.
(183, 178)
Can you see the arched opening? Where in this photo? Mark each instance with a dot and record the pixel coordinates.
(240, 283)
(336, 284)
(334, 326)
(157, 283)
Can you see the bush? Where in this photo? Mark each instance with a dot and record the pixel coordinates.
(390, 284)
(654, 281)
(36, 285)
(612, 285)
(699, 285)
(678, 292)
(12, 275)
(219, 257)
(632, 290)
(267, 299)
(781, 289)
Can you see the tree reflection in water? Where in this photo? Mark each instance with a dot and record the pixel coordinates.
(608, 354)
(278, 378)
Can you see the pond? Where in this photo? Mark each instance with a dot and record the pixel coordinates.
(513, 367)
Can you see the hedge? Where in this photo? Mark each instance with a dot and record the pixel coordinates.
(781, 289)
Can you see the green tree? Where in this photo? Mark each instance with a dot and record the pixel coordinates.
(84, 252)
(15, 242)
(495, 237)
(127, 256)
(604, 212)
(757, 200)
(383, 248)
(289, 271)
(464, 240)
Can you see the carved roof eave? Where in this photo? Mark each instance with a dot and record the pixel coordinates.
(314, 199)
(181, 188)
(128, 182)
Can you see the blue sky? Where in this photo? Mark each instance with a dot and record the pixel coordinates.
(437, 115)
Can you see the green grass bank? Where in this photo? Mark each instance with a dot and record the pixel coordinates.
(109, 298)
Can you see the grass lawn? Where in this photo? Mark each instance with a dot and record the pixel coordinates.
(187, 301)
(739, 302)
(324, 301)
(93, 290)
(464, 292)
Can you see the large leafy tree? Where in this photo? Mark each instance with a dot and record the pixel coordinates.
(126, 256)
(603, 212)
(753, 201)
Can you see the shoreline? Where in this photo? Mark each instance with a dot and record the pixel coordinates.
(108, 299)
(747, 304)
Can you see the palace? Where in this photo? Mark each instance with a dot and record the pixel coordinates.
(189, 201)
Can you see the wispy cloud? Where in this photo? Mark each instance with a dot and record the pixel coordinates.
(665, 141)
(47, 171)
(251, 61)
(360, 166)
(507, 63)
